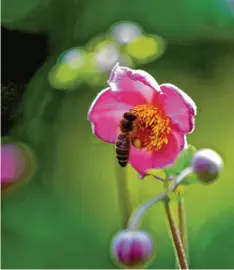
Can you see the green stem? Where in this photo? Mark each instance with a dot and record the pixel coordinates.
(166, 184)
(182, 222)
(136, 216)
(123, 194)
(134, 221)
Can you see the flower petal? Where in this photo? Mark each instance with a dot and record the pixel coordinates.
(136, 86)
(178, 106)
(142, 160)
(105, 114)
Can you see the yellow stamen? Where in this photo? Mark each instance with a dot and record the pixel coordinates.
(153, 127)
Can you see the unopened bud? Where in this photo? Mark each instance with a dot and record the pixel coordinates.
(207, 164)
(132, 249)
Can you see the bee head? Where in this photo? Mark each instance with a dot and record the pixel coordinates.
(129, 116)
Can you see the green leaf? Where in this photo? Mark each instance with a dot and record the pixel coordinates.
(183, 161)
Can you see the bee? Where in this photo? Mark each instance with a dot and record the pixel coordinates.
(123, 143)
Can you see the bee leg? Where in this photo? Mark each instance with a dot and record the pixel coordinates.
(136, 142)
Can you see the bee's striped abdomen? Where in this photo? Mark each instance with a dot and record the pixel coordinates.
(123, 148)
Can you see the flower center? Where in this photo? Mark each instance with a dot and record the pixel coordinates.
(152, 127)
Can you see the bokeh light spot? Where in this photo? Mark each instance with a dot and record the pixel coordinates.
(74, 58)
(65, 74)
(74, 67)
(62, 77)
(106, 55)
(125, 32)
(146, 48)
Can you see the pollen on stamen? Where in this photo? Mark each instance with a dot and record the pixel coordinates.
(153, 127)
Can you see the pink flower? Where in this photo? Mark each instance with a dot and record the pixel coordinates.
(164, 115)
(12, 163)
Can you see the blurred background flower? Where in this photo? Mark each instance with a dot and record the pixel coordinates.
(125, 42)
(17, 163)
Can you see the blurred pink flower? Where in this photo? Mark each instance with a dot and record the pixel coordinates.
(12, 163)
(164, 115)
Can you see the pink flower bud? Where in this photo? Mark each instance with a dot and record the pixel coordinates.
(132, 248)
(12, 162)
(207, 165)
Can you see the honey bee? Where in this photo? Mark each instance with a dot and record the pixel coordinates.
(123, 143)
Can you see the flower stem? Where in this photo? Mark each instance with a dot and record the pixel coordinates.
(176, 236)
(123, 194)
(182, 221)
(182, 225)
(135, 218)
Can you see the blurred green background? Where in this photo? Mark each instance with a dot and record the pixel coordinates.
(66, 215)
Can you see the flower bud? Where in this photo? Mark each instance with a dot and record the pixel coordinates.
(17, 164)
(132, 249)
(206, 164)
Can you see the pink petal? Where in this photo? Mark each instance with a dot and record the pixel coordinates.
(142, 161)
(178, 106)
(105, 114)
(133, 86)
